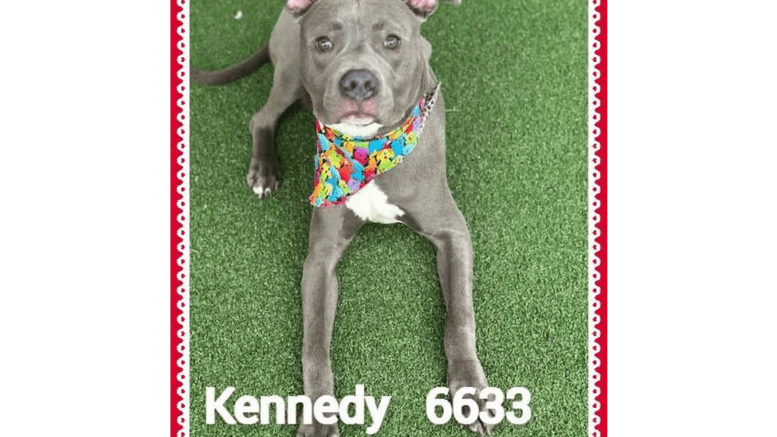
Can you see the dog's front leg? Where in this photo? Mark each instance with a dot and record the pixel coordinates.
(454, 264)
(331, 230)
(263, 175)
(442, 222)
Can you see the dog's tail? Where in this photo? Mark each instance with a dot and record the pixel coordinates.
(235, 72)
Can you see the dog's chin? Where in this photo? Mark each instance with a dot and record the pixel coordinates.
(358, 119)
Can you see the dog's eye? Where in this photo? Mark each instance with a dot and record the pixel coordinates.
(392, 42)
(324, 44)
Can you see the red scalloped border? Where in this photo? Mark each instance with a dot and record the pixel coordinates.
(176, 427)
(601, 226)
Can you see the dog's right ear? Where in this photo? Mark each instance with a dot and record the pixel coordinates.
(298, 7)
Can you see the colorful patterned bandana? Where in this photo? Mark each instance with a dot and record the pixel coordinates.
(344, 164)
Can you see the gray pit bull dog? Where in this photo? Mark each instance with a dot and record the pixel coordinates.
(363, 66)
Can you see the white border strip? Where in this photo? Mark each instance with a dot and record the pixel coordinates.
(183, 219)
(593, 218)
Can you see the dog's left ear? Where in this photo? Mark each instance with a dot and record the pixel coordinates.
(298, 7)
(425, 8)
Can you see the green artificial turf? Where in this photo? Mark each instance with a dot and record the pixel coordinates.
(514, 76)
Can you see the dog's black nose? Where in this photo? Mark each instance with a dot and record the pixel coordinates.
(359, 84)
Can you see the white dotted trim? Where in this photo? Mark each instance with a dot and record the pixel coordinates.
(183, 220)
(593, 219)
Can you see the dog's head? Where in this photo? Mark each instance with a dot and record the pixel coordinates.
(363, 61)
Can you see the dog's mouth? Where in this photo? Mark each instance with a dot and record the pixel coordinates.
(359, 113)
(358, 119)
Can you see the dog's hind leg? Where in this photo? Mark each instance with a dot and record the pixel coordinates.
(331, 230)
(263, 174)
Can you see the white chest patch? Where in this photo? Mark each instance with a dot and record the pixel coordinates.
(371, 204)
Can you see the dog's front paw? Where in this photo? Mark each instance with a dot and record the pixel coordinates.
(470, 374)
(318, 430)
(262, 177)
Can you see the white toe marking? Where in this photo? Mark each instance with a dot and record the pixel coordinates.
(257, 189)
(371, 204)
